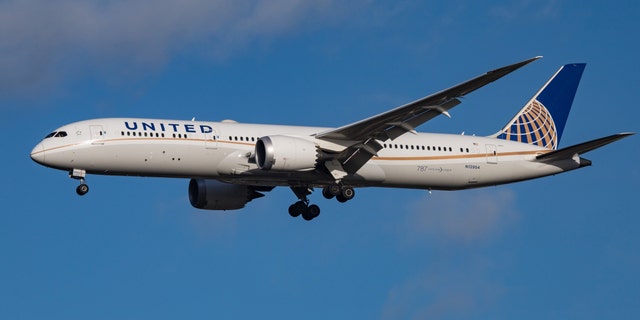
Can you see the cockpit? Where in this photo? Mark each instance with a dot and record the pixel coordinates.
(56, 134)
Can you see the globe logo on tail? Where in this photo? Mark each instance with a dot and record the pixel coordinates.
(534, 125)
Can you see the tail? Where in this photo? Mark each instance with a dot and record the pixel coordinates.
(541, 121)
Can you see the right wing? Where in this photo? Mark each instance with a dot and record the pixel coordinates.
(362, 136)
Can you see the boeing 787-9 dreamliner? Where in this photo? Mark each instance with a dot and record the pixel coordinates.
(229, 163)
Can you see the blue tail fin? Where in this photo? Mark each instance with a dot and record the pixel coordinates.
(541, 121)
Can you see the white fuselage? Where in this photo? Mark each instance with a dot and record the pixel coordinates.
(225, 150)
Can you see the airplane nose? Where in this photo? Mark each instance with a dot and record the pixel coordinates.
(37, 154)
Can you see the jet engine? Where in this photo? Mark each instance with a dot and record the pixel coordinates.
(284, 153)
(217, 195)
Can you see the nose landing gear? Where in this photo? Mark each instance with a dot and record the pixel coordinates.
(79, 174)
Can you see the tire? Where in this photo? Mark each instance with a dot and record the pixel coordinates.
(334, 189)
(348, 193)
(312, 212)
(297, 208)
(326, 193)
(82, 189)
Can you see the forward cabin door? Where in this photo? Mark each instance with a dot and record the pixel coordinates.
(97, 134)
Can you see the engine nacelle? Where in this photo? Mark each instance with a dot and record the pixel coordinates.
(284, 153)
(217, 195)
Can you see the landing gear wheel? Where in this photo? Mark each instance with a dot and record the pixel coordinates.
(82, 189)
(312, 212)
(348, 193)
(297, 209)
(334, 189)
(327, 193)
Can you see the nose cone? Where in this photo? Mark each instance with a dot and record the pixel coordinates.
(37, 154)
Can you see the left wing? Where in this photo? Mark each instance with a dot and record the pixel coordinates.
(365, 134)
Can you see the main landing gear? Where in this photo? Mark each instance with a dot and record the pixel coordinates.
(310, 212)
(79, 174)
(302, 207)
(341, 193)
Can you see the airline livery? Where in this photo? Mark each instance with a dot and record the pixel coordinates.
(232, 163)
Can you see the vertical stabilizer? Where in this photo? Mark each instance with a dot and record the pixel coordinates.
(541, 121)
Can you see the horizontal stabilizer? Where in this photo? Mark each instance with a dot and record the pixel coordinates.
(569, 152)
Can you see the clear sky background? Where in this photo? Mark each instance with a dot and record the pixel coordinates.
(562, 247)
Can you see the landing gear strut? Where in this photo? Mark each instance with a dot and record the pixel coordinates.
(302, 207)
(79, 174)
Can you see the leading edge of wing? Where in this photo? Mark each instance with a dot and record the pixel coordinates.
(396, 122)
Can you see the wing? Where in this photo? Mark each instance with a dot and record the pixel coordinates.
(364, 135)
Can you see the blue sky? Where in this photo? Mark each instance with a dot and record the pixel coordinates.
(560, 247)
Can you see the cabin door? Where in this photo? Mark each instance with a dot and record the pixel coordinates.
(492, 153)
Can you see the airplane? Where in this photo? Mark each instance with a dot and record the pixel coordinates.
(230, 164)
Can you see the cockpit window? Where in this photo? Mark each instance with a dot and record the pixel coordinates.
(57, 134)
